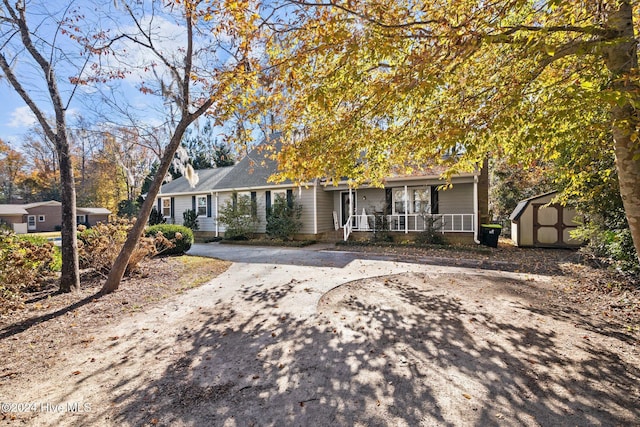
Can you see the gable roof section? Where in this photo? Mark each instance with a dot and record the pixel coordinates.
(522, 205)
(252, 171)
(208, 179)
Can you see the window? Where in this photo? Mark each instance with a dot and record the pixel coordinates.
(201, 205)
(398, 201)
(166, 207)
(81, 219)
(41, 218)
(422, 200)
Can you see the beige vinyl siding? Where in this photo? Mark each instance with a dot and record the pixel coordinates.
(456, 200)
(181, 204)
(222, 199)
(304, 196)
(324, 205)
(370, 199)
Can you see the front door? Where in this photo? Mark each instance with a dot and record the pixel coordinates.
(31, 222)
(347, 209)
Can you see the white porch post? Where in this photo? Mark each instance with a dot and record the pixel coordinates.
(315, 207)
(406, 210)
(350, 204)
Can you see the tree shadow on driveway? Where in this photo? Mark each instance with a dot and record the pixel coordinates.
(397, 350)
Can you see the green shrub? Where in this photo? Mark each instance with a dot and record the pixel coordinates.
(180, 236)
(283, 220)
(156, 217)
(24, 263)
(381, 229)
(240, 218)
(190, 217)
(432, 234)
(611, 247)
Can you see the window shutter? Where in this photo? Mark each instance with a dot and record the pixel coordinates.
(388, 201)
(290, 198)
(193, 203)
(434, 199)
(159, 205)
(173, 207)
(209, 205)
(267, 202)
(234, 201)
(254, 203)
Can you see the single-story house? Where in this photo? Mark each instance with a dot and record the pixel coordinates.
(407, 203)
(46, 216)
(537, 222)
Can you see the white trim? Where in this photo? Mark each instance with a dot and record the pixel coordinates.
(42, 218)
(206, 208)
(162, 199)
(406, 210)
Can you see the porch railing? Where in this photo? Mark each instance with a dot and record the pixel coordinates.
(444, 223)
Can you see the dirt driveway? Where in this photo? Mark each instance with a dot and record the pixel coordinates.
(284, 338)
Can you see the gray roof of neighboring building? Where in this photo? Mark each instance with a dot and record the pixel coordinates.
(13, 210)
(37, 204)
(208, 179)
(522, 205)
(94, 211)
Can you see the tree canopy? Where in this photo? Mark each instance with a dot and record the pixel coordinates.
(369, 87)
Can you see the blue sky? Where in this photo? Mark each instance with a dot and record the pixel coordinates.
(15, 116)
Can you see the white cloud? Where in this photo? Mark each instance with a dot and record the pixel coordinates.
(21, 117)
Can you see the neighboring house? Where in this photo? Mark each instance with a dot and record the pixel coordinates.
(408, 203)
(537, 222)
(46, 216)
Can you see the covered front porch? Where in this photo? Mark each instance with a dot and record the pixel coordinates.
(408, 208)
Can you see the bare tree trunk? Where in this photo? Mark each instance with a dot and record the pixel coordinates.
(621, 59)
(120, 265)
(70, 276)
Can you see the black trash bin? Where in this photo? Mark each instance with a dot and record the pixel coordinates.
(489, 234)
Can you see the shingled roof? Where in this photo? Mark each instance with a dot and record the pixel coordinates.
(252, 171)
(208, 179)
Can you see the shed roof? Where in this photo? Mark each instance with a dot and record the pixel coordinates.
(522, 205)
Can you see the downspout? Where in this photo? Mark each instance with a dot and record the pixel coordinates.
(217, 211)
(475, 209)
(315, 207)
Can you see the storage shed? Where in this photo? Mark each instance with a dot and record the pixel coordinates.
(536, 222)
